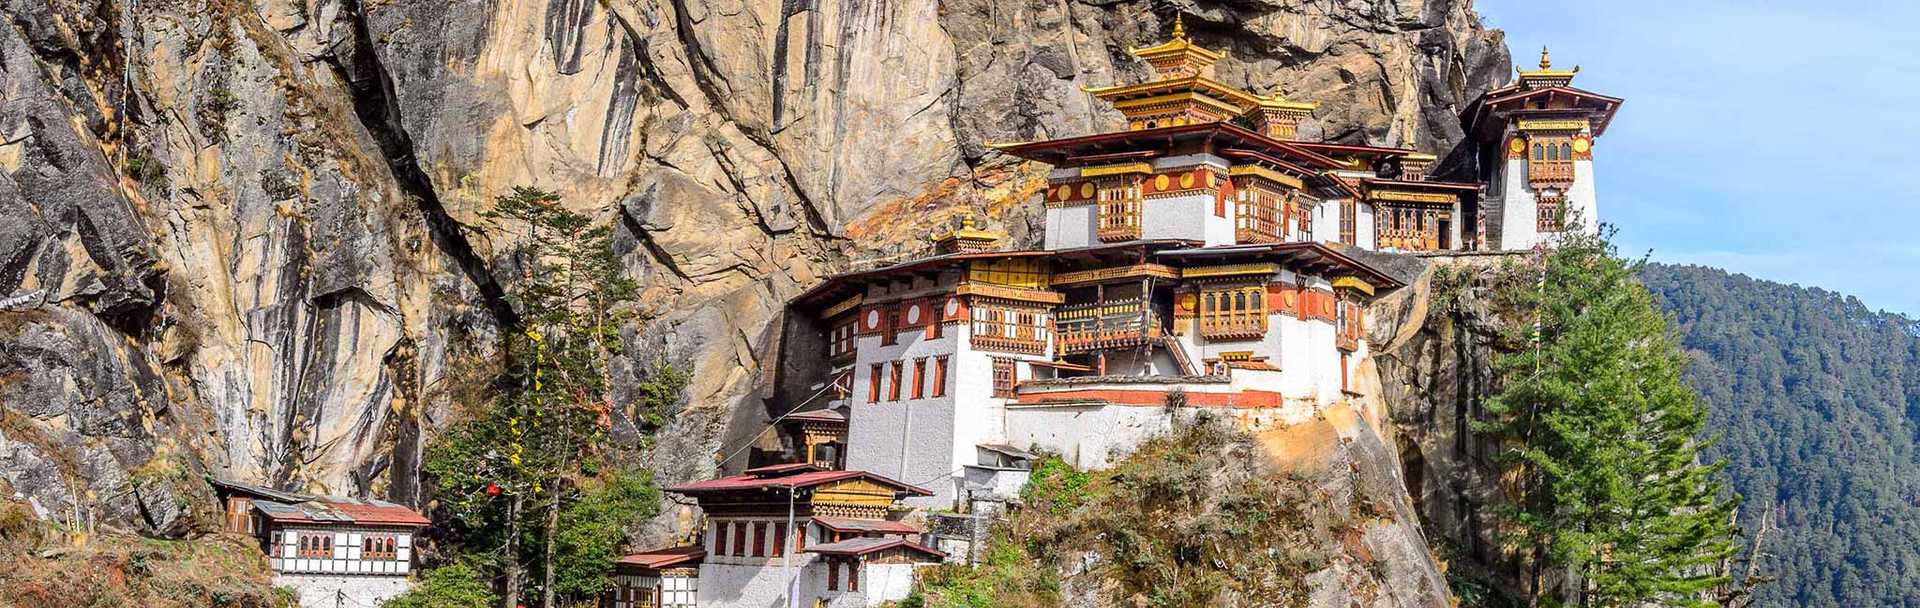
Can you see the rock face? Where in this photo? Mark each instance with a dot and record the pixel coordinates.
(245, 236)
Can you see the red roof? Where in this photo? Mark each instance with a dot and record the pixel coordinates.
(849, 524)
(380, 514)
(752, 481)
(340, 512)
(783, 468)
(661, 559)
(866, 545)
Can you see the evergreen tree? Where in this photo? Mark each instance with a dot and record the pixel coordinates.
(531, 454)
(1614, 505)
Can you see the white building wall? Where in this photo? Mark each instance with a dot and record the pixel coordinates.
(1070, 227)
(910, 440)
(1581, 197)
(882, 583)
(1188, 216)
(1363, 235)
(1519, 215)
(346, 559)
(761, 585)
(343, 590)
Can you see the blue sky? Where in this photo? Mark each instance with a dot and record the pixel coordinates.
(1770, 138)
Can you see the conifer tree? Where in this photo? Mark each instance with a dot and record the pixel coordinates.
(1613, 505)
(530, 454)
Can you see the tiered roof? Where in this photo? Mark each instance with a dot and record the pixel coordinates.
(1542, 97)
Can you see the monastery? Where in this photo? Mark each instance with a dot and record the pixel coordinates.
(1199, 257)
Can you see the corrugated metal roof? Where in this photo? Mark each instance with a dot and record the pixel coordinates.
(659, 559)
(865, 545)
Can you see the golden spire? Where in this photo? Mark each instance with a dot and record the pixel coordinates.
(1179, 26)
(1546, 76)
(1546, 61)
(1178, 57)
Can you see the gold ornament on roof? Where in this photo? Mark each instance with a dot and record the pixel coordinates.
(1178, 57)
(1546, 76)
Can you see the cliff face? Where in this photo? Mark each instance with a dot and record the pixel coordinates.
(246, 236)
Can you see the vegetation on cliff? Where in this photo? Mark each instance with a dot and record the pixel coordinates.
(1200, 517)
(1815, 398)
(1612, 503)
(537, 495)
(45, 566)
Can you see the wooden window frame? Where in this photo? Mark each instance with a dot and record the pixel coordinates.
(379, 546)
(920, 378)
(853, 576)
(720, 538)
(940, 376)
(841, 339)
(873, 383)
(1233, 312)
(1350, 221)
(779, 539)
(800, 536)
(890, 328)
(1006, 377)
(739, 539)
(833, 575)
(315, 545)
(1117, 208)
(759, 539)
(893, 375)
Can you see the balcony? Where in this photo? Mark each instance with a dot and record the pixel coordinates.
(1549, 173)
(1098, 325)
(1249, 326)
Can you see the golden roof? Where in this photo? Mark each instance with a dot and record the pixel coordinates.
(1546, 71)
(1178, 51)
(1276, 102)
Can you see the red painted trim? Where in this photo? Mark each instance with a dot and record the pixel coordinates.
(1153, 398)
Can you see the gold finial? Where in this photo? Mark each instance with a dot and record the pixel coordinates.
(1179, 27)
(1546, 61)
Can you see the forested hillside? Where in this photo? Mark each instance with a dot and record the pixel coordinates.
(1816, 400)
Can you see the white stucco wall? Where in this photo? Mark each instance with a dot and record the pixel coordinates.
(760, 585)
(343, 590)
(1363, 227)
(1070, 227)
(909, 440)
(1188, 216)
(346, 559)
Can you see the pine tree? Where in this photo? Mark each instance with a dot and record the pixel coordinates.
(1614, 505)
(530, 455)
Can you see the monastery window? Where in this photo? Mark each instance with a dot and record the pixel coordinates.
(1566, 151)
(840, 340)
(853, 575)
(800, 537)
(1004, 377)
(939, 376)
(1259, 216)
(893, 377)
(935, 328)
(1349, 221)
(719, 538)
(740, 538)
(873, 384)
(779, 539)
(1303, 222)
(1233, 313)
(890, 333)
(1119, 210)
(920, 378)
(1539, 152)
(759, 539)
(379, 547)
(1009, 329)
(316, 546)
(1550, 214)
(833, 575)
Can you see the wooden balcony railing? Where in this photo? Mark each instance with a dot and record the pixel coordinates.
(1548, 172)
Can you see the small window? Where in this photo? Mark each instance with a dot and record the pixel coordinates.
(940, 376)
(890, 334)
(893, 389)
(759, 539)
(720, 538)
(1566, 151)
(740, 539)
(779, 539)
(853, 576)
(833, 576)
(1003, 377)
(1539, 152)
(919, 378)
(873, 384)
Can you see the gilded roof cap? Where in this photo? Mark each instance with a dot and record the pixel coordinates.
(1178, 55)
(1278, 102)
(1546, 75)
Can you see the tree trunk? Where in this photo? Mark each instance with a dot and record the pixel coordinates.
(510, 598)
(552, 527)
